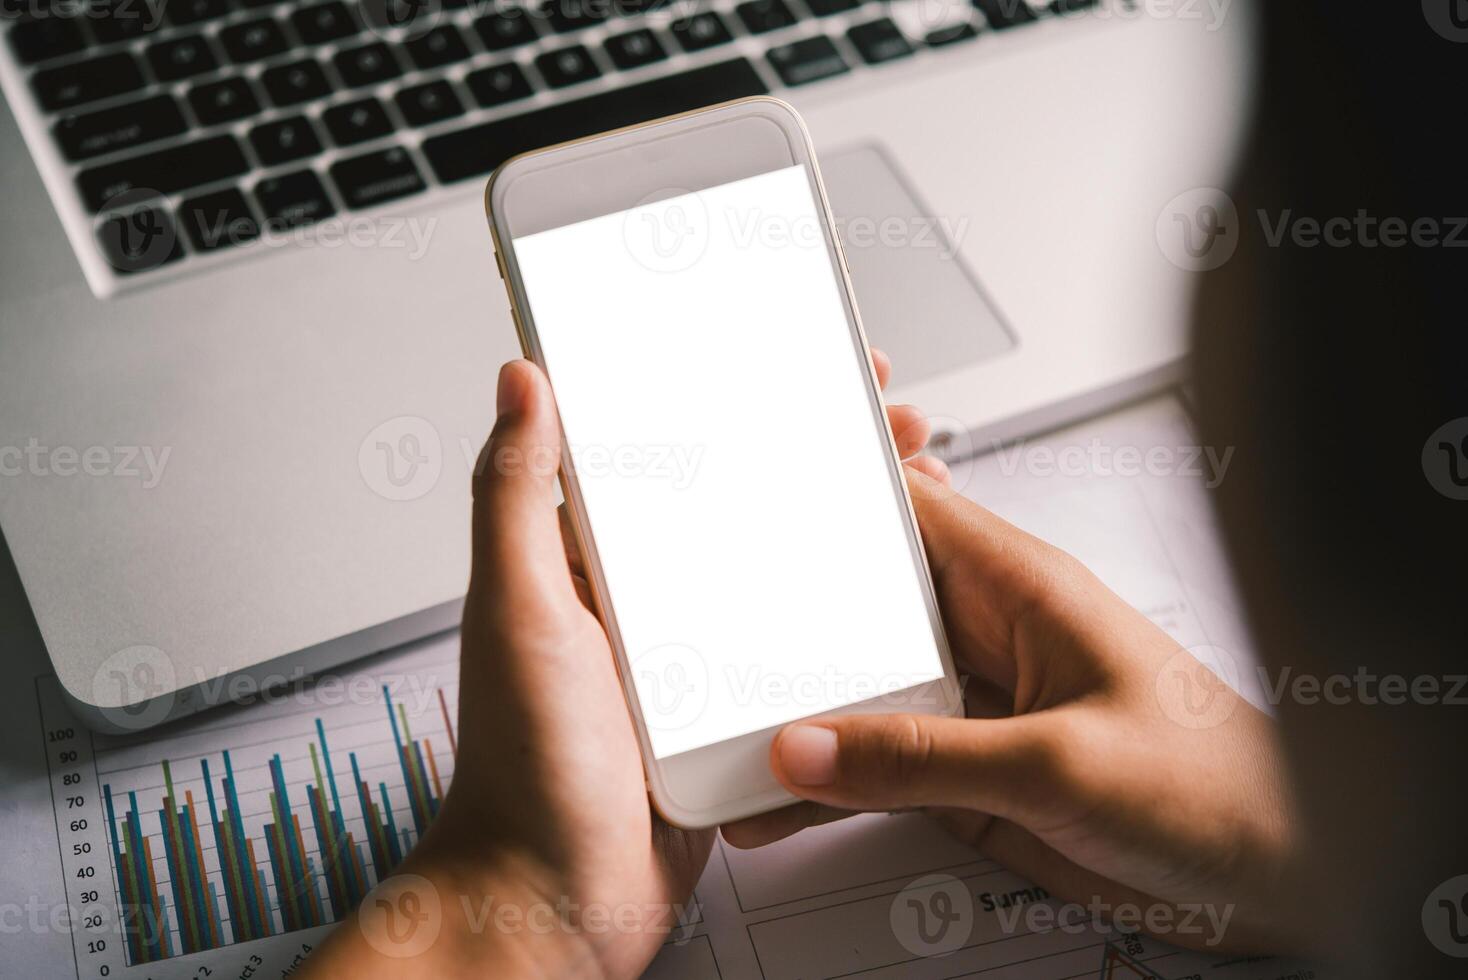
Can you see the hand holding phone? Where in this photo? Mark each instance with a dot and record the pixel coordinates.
(654, 273)
(548, 809)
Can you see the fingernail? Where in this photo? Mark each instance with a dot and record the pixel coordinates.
(808, 755)
(510, 396)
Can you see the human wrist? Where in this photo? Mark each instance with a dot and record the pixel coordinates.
(504, 911)
(443, 916)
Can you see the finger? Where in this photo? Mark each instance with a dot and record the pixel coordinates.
(882, 364)
(933, 468)
(910, 429)
(1010, 585)
(766, 828)
(519, 557)
(575, 562)
(1006, 767)
(568, 540)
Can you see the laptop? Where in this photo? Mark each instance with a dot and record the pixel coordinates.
(250, 321)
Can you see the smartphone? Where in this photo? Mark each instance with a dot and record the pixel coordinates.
(736, 491)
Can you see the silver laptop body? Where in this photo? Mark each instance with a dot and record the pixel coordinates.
(239, 456)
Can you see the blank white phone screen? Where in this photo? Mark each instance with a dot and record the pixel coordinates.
(733, 469)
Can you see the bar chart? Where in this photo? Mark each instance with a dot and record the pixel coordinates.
(252, 824)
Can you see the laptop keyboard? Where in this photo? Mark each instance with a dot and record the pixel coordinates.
(210, 119)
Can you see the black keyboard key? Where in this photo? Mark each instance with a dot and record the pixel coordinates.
(139, 241)
(430, 103)
(323, 23)
(182, 57)
(567, 66)
(223, 101)
(83, 81)
(1061, 7)
(879, 41)
(167, 171)
(218, 220)
(299, 81)
(253, 40)
(806, 61)
(1006, 13)
(760, 16)
(508, 29)
(284, 139)
(951, 35)
(179, 12)
(356, 122)
(441, 46)
(367, 65)
(293, 200)
(498, 85)
(825, 8)
(120, 20)
(46, 37)
(701, 31)
(634, 49)
(119, 128)
(638, 8)
(565, 16)
(377, 177)
(479, 149)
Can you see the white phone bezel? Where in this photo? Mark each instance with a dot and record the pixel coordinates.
(638, 165)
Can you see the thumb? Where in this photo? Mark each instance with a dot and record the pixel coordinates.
(891, 762)
(519, 558)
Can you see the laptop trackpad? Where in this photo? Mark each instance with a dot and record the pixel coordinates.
(919, 302)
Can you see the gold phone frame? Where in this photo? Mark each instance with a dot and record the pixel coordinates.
(942, 695)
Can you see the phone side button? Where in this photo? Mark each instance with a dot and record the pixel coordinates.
(515, 319)
(499, 264)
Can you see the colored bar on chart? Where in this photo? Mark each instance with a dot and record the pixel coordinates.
(252, 880)
(142, 914)
(448, 725)
(192, 901)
